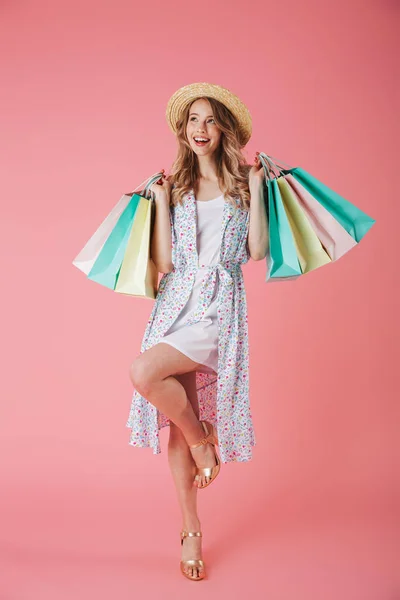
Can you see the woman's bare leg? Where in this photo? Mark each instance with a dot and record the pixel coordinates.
(152, 374)
(183, 469)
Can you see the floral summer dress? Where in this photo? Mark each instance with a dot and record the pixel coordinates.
(204, 294)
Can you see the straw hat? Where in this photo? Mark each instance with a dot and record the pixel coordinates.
(187, 94)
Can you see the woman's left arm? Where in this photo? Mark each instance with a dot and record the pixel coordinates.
(258, 237)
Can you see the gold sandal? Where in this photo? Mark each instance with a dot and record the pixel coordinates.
(194, 562)
(210, 438)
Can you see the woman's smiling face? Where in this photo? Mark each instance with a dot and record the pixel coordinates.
(201, 125)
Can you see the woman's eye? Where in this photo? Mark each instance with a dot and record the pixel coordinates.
(193, 118)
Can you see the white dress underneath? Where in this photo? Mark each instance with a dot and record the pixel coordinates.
(199, 341)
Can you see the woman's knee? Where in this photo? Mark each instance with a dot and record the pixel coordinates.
(139, 376)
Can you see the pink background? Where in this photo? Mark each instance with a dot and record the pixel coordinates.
(84, 86)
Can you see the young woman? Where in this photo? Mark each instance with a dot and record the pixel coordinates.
(192, 372)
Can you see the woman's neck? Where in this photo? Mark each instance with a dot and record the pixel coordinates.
(207, 169)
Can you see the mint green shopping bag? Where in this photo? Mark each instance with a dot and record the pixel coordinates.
(356, 222)
(107, 265)
(282, 260)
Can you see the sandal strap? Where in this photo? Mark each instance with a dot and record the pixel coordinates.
(202, 442)
(208, 439)
(190, 534)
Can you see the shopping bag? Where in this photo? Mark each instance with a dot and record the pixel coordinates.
(102, 256)
(282, 260)
(356, 222)
(89, 253)
(333, 236)
(138, 275)
(106, 266)
(87, 256)
(324, 225)
(309, 249)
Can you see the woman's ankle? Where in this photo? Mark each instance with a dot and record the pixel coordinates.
(191, 524)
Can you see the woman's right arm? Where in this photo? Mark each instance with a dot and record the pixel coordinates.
(161, 239)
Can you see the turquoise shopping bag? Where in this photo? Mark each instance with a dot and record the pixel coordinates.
(282, 261)
(356, 222)
(108, 263)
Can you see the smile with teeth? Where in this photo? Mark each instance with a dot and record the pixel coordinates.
(201, 141)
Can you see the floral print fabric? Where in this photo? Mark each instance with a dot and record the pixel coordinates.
(223, 398)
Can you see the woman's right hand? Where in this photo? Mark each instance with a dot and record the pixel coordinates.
(162, 188)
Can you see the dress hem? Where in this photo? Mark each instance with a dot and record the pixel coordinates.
(174, 345)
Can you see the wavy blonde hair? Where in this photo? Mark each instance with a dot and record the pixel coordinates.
(232, 168)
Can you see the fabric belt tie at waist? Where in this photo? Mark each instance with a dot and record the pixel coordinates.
(225, 274)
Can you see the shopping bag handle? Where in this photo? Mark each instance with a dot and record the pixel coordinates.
(266, 166)
(269, 166)
(146, 192)
(278, 162)
(266, 160)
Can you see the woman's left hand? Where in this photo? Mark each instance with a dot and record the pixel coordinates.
(256, 173)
